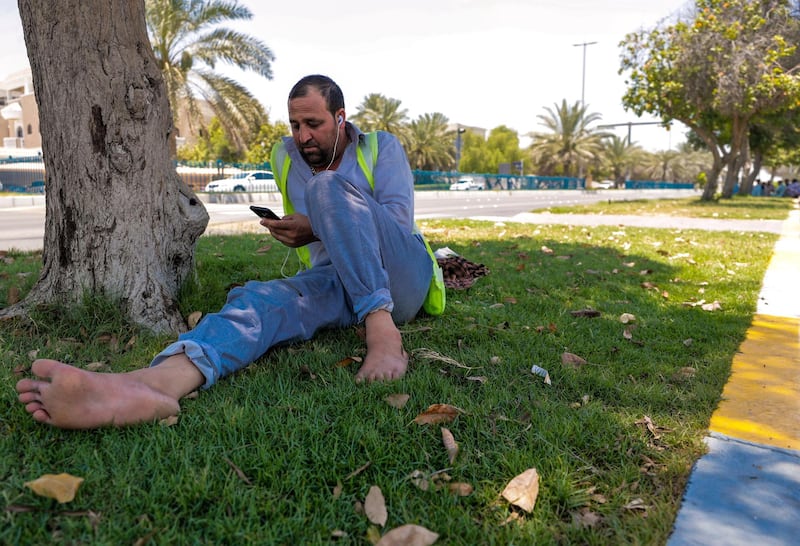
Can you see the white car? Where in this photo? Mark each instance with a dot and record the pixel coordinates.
(247, 181)
(603, 184)
(465, 184)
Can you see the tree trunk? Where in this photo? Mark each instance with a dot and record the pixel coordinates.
(119, 220)
(710, 189)
(736, 156)
(755, 169)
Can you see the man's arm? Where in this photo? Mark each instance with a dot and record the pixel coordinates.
(394, 182)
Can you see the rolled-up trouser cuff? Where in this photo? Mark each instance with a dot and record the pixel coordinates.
(379, 300)
(194, 352)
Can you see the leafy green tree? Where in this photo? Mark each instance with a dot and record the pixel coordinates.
(475, 155)
(503, 147)
(721, 69)
(431, 144)
(261, 146)
(379, 113)
(212, 145)
(188, 44)
(568, 141)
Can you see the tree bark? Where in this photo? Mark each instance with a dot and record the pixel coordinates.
(718, 155)
(736, 156)
(119, 220)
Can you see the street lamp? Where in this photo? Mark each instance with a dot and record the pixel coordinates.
(459, 131)
(583, 79)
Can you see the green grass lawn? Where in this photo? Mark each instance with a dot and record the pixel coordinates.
(286, 451)
(738, 208)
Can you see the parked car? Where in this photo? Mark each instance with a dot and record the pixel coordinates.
(466, 183)
(603, 184)
(249, 181)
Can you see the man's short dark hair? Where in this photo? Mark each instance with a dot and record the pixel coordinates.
(330, 91)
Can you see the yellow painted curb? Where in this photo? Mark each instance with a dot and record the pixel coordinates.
(761, 401)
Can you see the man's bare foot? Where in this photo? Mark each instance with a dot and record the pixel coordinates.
(386, 360)
(69, 397)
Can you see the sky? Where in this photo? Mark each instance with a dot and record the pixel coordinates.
(481, 63)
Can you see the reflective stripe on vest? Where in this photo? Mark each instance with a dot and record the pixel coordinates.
(281, 162)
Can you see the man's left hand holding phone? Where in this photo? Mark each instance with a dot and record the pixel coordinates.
(293, 230)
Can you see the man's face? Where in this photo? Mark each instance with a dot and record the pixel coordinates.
(313, 128)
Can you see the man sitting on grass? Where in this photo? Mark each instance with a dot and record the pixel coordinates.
(368, 265)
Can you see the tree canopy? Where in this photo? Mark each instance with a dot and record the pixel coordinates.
(189, 43)
(715, 73)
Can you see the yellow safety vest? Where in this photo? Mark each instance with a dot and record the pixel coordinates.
(367, 154)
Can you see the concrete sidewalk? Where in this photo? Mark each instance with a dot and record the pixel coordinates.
(746, 489)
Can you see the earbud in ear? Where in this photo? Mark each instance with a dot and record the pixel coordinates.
(341, 119)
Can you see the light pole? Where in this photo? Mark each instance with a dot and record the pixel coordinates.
(459, 131)
(583, 79)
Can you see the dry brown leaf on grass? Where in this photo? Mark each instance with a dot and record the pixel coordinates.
(408, 535)
(450, 444)
(375, 506)
(654, 429)
(585, 518)
(625, 318)
(523, 490)
(264, 249)
(95, 366)
(13, 295)
(193, 319)
(397, 400)
(61, 487)
(637, 504)
(170, 421)
(347, 361)
(572, 360)
(437, 413)
(461, 489)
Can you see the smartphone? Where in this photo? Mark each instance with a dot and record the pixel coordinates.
(264, 212)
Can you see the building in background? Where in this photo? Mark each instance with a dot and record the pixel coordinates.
(19, 115)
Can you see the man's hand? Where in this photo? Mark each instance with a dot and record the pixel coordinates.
(293, 230)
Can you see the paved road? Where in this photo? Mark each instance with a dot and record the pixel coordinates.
(22, 225)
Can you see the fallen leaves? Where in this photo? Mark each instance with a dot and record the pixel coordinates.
(397, 401)
(408, 535)
(375, 506)
(523, 490)
(437, 413)
(193, 319)
(61, 487)
(572, 360)
(450, 444)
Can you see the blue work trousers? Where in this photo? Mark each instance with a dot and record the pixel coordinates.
(374, 263)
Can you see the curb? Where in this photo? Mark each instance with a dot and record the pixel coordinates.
(746, 489)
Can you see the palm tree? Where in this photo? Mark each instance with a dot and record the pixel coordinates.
(431, 144)
(569, 142)
(188, 45)
(379, 113)
(660, 165)
(620, 155)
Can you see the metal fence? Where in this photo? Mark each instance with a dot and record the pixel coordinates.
(26, 174)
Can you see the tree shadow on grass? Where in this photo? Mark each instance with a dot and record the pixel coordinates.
(613, 439)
